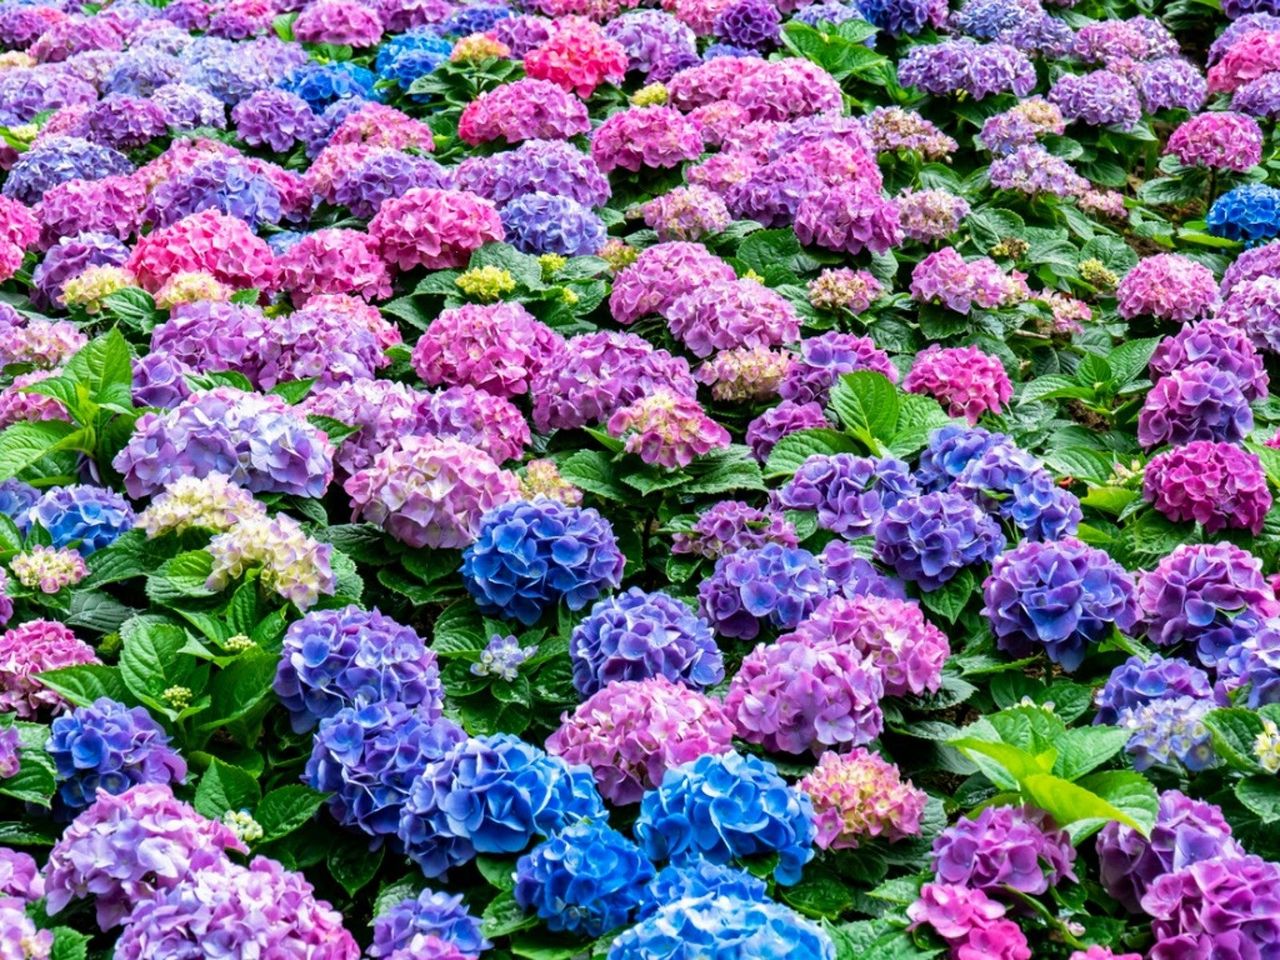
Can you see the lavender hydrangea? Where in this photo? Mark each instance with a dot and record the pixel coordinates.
(930, 538)
(1014, 846)
(1195, 402)
(544, 223)
(429, 913)
(771, 584)
(849, 493)
(1137, 682)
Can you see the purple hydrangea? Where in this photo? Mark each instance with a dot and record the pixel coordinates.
(1196, 402)
(1169, 732)
(529, 556)
(1217, 485)
(849, 493)
(1224, 905)
(801, 695)
(334, 659)
(897, 17)
(1008, 482)
(657, 44)
(962, 65)
(1255, 662)
(1062, 596)
(544, 223)
(108, 746)
(1186, 831)
(1171, 83)
(772, 584)
(258, 441)
(588, 879)
(366, 758)
(87, 517)
(70, 257)
(731, 525)
(1137, 682)
(637, 635)
(124, 122)
(384, 175)
(823, 359)
(538, 166)
(492, 423)
(1222, 346)
(1004, 846)
(1100, 98)
(930, 538)
(749, 23)
(951, 449)
(16, 500)
(227, 184)
(726, 807)
(55, 160)
(431, 913)
(764, 432)
(492, 795)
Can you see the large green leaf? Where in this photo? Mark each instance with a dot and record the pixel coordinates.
(225, 787)
(867, 404)
(149, 655)
(238, 688)
(284, 810)
(86, 683)
(24, 444)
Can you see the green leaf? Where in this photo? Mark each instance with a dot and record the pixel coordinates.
(239, 687)
(867, 404)
(820, 893)
(769, 250)
(949, 600)
(26, 835)
(34, 782)
(104, 367)
(1130, 359)
(594, 472)
(24, 444)
(352, 864)
(459, 631)
(1082, 749)
(503, 917)
(86, 683)
(181, 578)
(1235, 730)
(294, 391)
(1083, 463)
(918, 418)
(790, 453)
(69, 944)
(500, 872)
(96, 611)
(1261, 795)
(284, 810)
(390, 894)
(130, 555)
(1012, 765)
(224, 787)
(724, 471)
(151, 646)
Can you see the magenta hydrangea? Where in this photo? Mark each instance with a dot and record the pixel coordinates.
(661, 275)
(1217, 485)
(799, 695)
(1167, 286)
(645, 138)
(764, 432)
(499, 348)
(849, 218)
(1004, 846)
(1254, 307)
(631, 732)
(1223, 905)
(730, 314)
(1201, 588)
(28, 650)
(966, 381)
(430, 491)
(1220, 140)
(889, 632)
(528, 109)
(434, 228)
(973, 925)
(492, 423)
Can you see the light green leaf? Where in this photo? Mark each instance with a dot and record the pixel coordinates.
(867, 404)
(23, 444)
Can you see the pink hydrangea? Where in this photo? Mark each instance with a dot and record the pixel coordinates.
(632, 731)
(667, 429)
(528, 109)
(945, 277)
(844, 289)
(858, 796)
(686, 213)
(971, 922)
(17, 406)
(1167, 286)
(18, 225)
(1096, 952)
(745, 373)
(709, 82)
(966, 381)
(1253, 306)
(653, 137)
(849, 218)
(732, 313)
(42, 343)
(380, 411)
(378, 125)
(1217, 485)
(785, 89)
(798, 696)
(492, 423)
(334, 261)
(340, 22)
(430, 491)
(208, 242)
(578, 59)
(660, 275)
(1249, 57)
(497, 347)
(125, 849)
(1221, 140)
(30, 649)
(891, 633)
(436, 229)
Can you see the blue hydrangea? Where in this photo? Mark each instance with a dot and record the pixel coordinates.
(228, 185)
(1060, 597)
(987, 19)
(950, 450)
(492, 795)
(898, 16)
(1250, 213)
(544, 223)
(700, 878)
(476, 18)
(637, 635)
(774, 584)
(530, 555)
(322, 84)
(588, 879)
(367, 758)
(412, 65)
(853, 575)
(351, 657)
(415, 41)
(280, 243)
(108, 746)
(728, 50)
(849, 493)
(439, 914)
(1169, 732)
(90, 517)
(16, 500)
(1009, 482)
(1256, 662)
(724, 928)
(727, 807)
(931, 538)
(1136, 682)
(55, 160)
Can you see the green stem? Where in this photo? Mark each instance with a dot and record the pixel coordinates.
(1036, 906)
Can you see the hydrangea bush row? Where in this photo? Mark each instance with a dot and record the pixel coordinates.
(619, 480)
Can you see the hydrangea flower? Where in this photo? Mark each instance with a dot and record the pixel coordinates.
(588, 879)
(764, 432)
(858, 795)
(1061, 595)
(433, 228)
(546, 166)
(889, 632)
(366, 758)
(731, 525)
(637, 635)
(965, 380)
(971, 923)
(849, 493)
(578, 60)
(210, 242)
(661, 275)
(290, 563)
(110, 747)
(1169, 732)
(428, 914)
(1249, 213)
(1167, 286)
(1225, 903)
(1196, 402)
(645, 137)
(88, 517)
(334, 659)
(667, 430)
(492, 795)
(726, 807)
(964, 65)
(1220, 140)
(773, 583)
(544, 223)
(1221, 345)
(698, 879)
(529, 555)
(730, 314)
(1217, 485)
(803, 694)
(47, 569)
(686, 213)
(528, 109)
(745, 373)
(1013, 846)
(30, 649)
(930, 538)
(1136, 682)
